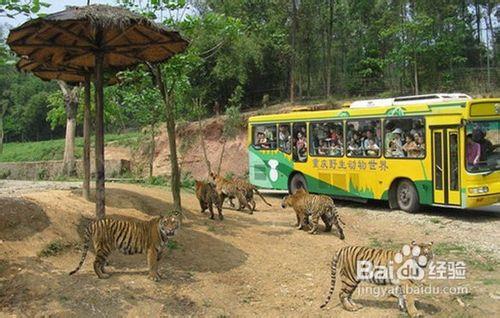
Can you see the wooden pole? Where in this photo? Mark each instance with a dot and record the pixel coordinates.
(99, 136)
(86, 140)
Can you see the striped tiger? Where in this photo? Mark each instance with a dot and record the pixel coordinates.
(347, 261)
(317, 206)
(226, 188)
(129, 237)
(208, 197)
(249, 190)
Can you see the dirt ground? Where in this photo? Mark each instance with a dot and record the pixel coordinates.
(247, 265)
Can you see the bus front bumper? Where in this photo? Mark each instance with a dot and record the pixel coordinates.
(482, 200)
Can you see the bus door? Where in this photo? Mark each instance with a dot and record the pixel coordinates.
(446, 163)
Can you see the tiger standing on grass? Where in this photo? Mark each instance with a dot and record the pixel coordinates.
(346, 262)
(316, 206)
(207, 196)
(129, 237)
(228, 189)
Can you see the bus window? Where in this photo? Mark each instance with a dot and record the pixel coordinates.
(264, 137)
(299, 140)
(327, 139)
(405, 138)
(363, 138)
(482, 149)
(284, 138)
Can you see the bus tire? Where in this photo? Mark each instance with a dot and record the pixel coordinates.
(407, 196)
(298, 181)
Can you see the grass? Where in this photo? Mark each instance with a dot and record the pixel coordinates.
(54, 149)
(53, 248)
(449, 248)
(385, 244)
(491, 281)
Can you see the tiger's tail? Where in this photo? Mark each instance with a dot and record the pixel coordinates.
(333, 274)
(86, 245)
(261, 196)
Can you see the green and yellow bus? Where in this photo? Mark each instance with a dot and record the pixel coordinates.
(441, 149)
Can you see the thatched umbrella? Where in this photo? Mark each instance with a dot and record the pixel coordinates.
(95, 38)
(72, 76)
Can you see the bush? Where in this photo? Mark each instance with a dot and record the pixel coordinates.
(4, 174)
(53, 248)
(157, 180)
(42, 174)
(187, 181)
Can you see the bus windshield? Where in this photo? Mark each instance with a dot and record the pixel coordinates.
(482, 146)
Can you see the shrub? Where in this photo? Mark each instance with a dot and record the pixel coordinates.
(4, 174)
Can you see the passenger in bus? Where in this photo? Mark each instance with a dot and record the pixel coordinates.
(395, 146)
(335, 148)
(269, 135)
(284, 138)
(322, 149)
(262, 142)
(478, 136)
(410, 147)
(420, 145)
(301, 146)
(372, 149)
(353, 147)
(473, 154)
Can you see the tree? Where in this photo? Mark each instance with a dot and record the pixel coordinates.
(71, 99)
(141, 101)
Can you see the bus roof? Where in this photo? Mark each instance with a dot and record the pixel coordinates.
(433, 108)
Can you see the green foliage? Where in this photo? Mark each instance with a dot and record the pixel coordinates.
(4, 174)
(233, 122)
(54, 149)
(54, 248)
(157, 181)
(187, 180)
(42, 174)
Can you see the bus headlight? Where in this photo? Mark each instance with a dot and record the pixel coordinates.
(479, 190)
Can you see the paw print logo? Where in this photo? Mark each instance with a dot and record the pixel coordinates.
(414, 251)
(412, 263)
(273, 173)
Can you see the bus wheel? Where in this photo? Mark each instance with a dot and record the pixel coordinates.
(407, 196)
(298, 181)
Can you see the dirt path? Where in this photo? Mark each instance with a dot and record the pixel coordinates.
(247, 265)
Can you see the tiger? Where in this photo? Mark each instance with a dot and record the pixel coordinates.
(129, 237)
(228, 189)
(249, 190)
(207, 196)
(316, 206)
(346, 262)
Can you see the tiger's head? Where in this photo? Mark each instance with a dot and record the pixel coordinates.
(168, 225)
(288, 200)
(422, 252)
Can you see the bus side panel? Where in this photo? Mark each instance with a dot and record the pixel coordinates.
(269, 169)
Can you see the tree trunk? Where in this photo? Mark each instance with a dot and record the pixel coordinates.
(71, 106)
(86, 141)
(292, 59)
(221, 156)
(1, 133)
(169, 105)
(415, 73)
(204, 147)
(329, 50)
(152, 150)
(99, 138)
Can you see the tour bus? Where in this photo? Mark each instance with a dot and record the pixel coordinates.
(437, 149)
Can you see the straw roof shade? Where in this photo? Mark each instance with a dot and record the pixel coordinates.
(73, 36)
(93, 39)
(71, 75)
